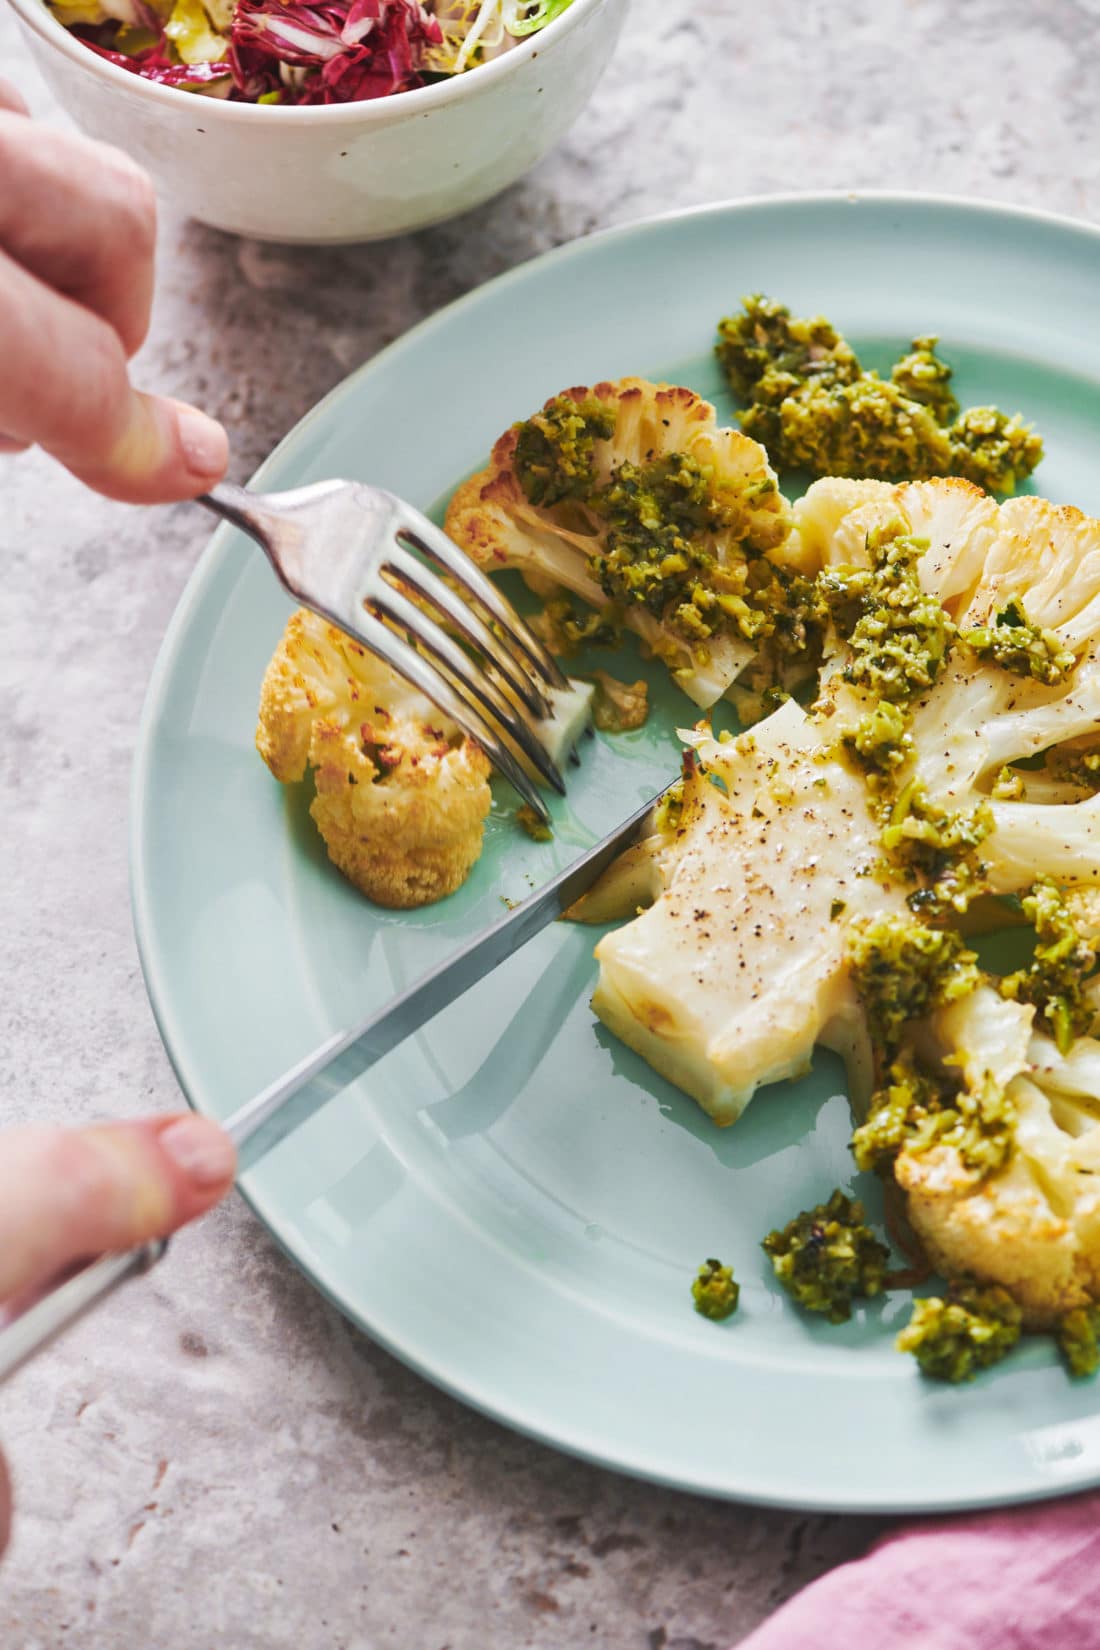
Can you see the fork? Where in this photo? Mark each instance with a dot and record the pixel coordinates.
(357, 555)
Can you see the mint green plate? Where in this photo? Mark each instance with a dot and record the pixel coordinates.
(512, 1202)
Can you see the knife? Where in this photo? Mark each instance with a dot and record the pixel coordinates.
(293, 1098)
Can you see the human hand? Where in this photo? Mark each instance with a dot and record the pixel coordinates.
(69, 1194)
(77, 236)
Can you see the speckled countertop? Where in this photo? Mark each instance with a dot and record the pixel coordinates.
(219, 1460)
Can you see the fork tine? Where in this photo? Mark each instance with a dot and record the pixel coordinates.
(431, 587)
(293, 528)
(390, 601)
(422, 674)
(435, 544)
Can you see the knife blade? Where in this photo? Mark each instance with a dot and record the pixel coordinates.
(280, 1109)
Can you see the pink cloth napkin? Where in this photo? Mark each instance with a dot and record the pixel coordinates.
(1028, 1579)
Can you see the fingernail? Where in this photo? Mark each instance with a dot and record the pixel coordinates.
(200, 1151)
(205, 444)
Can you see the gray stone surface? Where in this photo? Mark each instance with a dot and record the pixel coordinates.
(219, 1460)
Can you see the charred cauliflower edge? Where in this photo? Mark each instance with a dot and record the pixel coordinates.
(401, 795)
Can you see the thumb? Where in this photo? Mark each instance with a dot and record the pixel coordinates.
(163, 450)
(65, 385)
(67, 1194)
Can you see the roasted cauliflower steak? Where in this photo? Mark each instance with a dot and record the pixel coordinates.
(948, 758)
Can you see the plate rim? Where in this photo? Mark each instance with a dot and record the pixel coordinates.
(508, 1409)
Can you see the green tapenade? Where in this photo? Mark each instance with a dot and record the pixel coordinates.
(815, 408)
(953, 1339)
(827, 1256)
(715, 1291)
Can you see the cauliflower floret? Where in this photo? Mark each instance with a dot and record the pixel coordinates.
(995, 1140)
(1024, 558)
(992, 1132)
(1033, 1224)
(401, 795)
(631, 497)
(978, 718)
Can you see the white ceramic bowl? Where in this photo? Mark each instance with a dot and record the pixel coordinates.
(343, 172)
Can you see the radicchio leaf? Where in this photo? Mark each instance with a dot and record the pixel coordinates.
(362, 49)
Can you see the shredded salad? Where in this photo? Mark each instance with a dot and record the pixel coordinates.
(302, 51)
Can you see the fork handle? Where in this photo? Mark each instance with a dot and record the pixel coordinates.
(234, 504)
(26, 1333)
(275, 522)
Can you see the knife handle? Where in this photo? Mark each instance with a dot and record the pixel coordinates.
(26, 1332)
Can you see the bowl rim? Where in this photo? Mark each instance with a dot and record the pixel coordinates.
(36, 16)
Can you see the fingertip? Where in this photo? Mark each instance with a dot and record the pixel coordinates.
(203, 443)
(66, 1194)
(167, 452)
(201, 1157)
